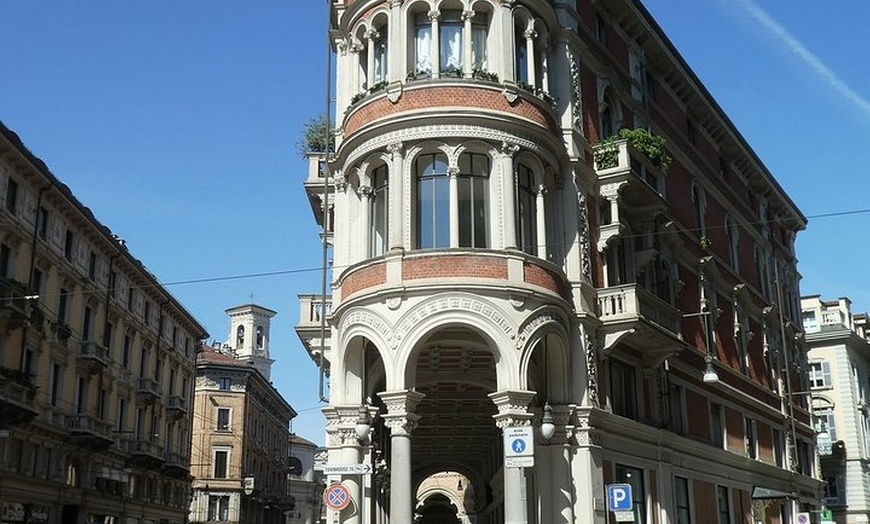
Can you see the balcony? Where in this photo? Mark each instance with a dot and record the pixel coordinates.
(14, 307)
(317, 191)
(633, 187)
(93, 357)
(60, 333)
(147, 390)
(634, 316)
(177, 407)
(176, 465)
(312, 310)
(145, 453)
(16, 398)
(89, 432)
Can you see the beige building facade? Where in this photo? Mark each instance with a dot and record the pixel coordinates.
(241, 428)
(838, 340)
(96, 364)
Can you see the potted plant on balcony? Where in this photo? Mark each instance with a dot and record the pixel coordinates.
(644, 141)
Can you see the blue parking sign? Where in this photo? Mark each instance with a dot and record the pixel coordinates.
(619, 497)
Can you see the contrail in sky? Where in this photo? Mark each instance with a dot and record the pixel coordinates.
(806, 56)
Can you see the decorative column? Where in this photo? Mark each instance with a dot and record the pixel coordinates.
(513, 411)
(545, 68)
(344, 448)
(355, 49)
(365, 215)
(541, 221)
(467, 64)
(435, 18)
(371, 37)
(395, 68)
(401, 420)
(560, 454)
(530, 35)
(396, 233)
(453, 188)
(509, 194)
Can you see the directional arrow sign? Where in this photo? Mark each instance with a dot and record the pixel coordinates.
(347, 469)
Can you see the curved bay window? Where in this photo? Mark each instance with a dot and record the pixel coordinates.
(380, 211)
(526, 212)
(473, 187)
(433, 201)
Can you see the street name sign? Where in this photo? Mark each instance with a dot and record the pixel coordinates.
(347, 469)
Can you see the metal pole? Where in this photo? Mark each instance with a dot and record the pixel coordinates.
(324, 226)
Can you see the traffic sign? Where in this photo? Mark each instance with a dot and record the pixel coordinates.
(519, 462)
(803, 518)
(519, 442)
(619, 497)
(347, 469)
(336, 497)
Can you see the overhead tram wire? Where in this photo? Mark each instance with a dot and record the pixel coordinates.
(325, 267)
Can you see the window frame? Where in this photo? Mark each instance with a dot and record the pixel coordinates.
(226, 453)
(438, 197)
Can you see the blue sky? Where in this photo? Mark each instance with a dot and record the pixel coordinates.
(176, 123)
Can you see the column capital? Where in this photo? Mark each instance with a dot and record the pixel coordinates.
(400, 417)
(509, 149)
(395, 148)
(452, 172)
(512, 407)
(372, 34)
(434, 15)
(340, 425)
(468, 14)
(530, 34)
(542, 189)
(365, 192)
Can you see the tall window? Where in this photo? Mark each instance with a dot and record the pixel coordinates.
(717, 429)
(479, 31)
(221, 459)
(820, 374)
(433, 201)
(675, 401)
(473, 186)
(223, 419)
(526, 213)
(56, 374)
(87, 321)
(681, 499)
(733, 235)
(240, 336)
(623, 389)
(12, 196)
(450, 40)
(380, 211)
(522, 55)
(68, 242)
(5, 260)
(778, 448)
(422, 43)
(750, 437)
(219, 507)
(224, 383)
(380, 53)
(699, 205)
(723, 508)
(42, 223)
(634, 477)
(258, 337)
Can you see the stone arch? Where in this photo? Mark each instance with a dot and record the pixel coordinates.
(457, 309)
(360, 328)
(545, 331)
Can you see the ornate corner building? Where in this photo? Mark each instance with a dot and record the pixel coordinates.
(538, 216)
(96, 364)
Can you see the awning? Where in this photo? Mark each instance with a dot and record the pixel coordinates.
(759, 493)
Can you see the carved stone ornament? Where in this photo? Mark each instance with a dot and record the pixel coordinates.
(400, 416)
(512, 408)
(340, 425)
(394, 149)
(510, 94)
(583, 219)
(592, 372)
(576, 100)
(531, 327)
(393, 303)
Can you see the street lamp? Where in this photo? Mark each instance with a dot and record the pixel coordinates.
(548, 426)
(710, 375)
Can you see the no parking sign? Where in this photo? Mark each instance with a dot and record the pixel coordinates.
(336, 497)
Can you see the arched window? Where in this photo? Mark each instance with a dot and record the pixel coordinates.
(450, 40)
(72, 475)
(473, 202)
(422, 43)
(380, 211)
(664, 281)
(259, 337)
(379, 49)
(479, 34)
(433, 201)
(240, 336)
(526, 212)
(522, 54)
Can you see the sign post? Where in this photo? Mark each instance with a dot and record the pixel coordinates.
(620, 502)
(519, 448)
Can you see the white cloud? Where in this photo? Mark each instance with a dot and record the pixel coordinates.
(806, 56)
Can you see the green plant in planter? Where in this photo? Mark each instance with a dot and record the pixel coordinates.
(606, 153)
(483, 74)
(379, 86)
(705, 243)
(650, 145)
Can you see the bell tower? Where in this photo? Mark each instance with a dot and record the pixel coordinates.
(249, 336)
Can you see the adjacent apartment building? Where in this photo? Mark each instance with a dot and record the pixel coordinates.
(96, 364)
(838, 341)
(508, 264)
(240, 446)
